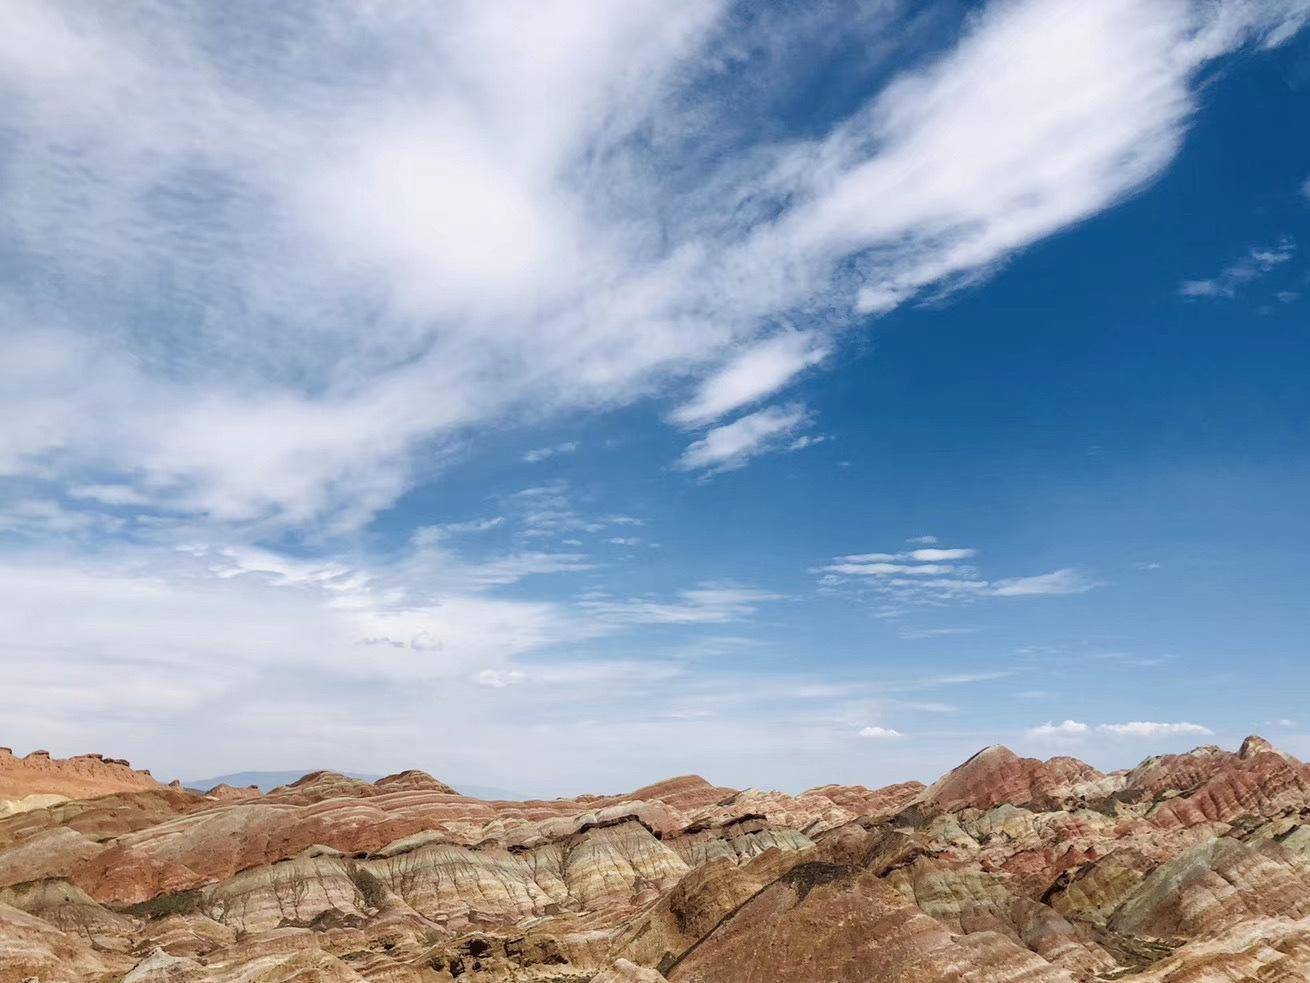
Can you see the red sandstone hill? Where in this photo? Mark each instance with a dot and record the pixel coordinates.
(80, 777)
(1189, 868)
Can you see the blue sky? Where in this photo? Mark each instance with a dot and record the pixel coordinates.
(563, 396)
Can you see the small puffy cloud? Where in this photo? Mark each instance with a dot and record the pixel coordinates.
(751, 376)
(1151, 728)
(625, 540)
(730, 446)
(1066, 581)
(544, 453)
(880, 734)
(1070, 728)
(922, 540)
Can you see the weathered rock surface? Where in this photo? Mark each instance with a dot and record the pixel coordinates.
(1189, 868)
(81, 777)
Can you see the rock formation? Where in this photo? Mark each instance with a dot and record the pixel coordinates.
(1189, 868)
(38, 780)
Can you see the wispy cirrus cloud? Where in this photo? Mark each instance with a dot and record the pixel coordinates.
(540, 454)
(936, 575)
(1258, 261)
(326, 253)
(757, 372)
(1066, 581)
(417, 222)
(703, 604)
(732, 445)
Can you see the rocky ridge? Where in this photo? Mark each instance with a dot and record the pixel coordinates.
(37, 780)
(1189, 868)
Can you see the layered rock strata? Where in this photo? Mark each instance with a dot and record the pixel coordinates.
(1189, 868)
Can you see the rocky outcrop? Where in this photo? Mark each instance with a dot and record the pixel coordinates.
(82, 777)
(230, 793)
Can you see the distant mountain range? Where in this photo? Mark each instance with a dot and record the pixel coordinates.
(268, 780)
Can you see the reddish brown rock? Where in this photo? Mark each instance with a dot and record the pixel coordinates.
(82, 777)
(825, 922)
(996, 774)
(230, 793)
(1007, 869)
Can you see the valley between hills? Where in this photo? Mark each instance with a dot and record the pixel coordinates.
(1188, 868)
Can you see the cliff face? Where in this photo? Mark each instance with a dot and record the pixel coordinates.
(1191, 867)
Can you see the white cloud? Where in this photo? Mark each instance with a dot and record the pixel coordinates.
(547, 512)
(922, 633)
(624, 540)
(109, 494)
(1068, 729)
(918, 576)
(919, 555)
(427, 220)
(730, 446)
(1150, 728)
(1066, 581)
(881, 569)
(704, 604)
(922, 540)
(545, 453)
(808, 440)
(1258, 261)
(880, 733)
(754, 373)
(936, 554)
(500, 678)
(298, 278)
(39, 517)
(428, 535)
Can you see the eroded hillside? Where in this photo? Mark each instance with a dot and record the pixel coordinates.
(1186, 869)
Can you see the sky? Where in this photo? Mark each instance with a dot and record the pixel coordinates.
(563, 396)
